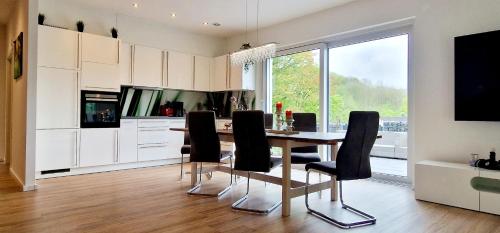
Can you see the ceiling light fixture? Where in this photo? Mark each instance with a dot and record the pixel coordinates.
(216, 24)
(135, 5)
(248, 54)
(173, 15)
(205, 23)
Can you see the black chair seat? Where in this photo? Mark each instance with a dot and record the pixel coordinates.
(329, 167)
(276, 162)
(186, 149)
(304, 158)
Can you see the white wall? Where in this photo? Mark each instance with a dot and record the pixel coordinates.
(18, 22)
(131, 29)
(3, 90)
(436, 135)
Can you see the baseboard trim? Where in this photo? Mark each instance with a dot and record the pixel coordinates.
(24, 188)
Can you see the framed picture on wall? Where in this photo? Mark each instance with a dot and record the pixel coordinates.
(18, 56)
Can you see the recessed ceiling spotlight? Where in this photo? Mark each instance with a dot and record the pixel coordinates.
(135, 5)
(173, 15)
(216, 24)
(205, 23)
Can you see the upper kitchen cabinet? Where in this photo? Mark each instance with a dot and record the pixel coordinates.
(57, 98)
(57, 48)
(125, 64)
(241, 77)
(100, 77)
(220, 78)
(147, 66)
(180, 71)
(100, 49)
(202, 73)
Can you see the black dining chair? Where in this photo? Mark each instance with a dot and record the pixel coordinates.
(253, 153)
(305, 122)
(205, 146)
(353, 163)
(268, 120)
(186, 148)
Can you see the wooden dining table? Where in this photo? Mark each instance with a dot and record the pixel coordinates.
(290, 188)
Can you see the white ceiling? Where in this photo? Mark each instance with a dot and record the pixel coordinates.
(5, 8)
(190, 14)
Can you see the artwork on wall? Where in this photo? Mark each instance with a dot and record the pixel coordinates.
(18, 56)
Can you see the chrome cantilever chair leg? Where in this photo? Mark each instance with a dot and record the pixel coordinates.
(236, 204)
(182, 166)
(192, 191)
(370, 220)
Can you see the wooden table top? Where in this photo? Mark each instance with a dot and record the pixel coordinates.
(310, 137)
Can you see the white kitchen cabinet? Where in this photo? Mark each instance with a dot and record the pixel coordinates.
(57, 98)
(147, 66)
(241, 78)
(220, 78)
(202, 73)
(180, 71)
(152, 152)
(57, 48)
(125, 66)
(100, 49)
(175, 139)
(56, 149)
(98, 147)
(152, 136)
(128, 141)
(100, 77)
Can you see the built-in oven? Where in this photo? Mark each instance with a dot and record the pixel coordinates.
(100, 109)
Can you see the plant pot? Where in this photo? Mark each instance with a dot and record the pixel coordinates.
(114, 33)
(41, 19)
(80, 26)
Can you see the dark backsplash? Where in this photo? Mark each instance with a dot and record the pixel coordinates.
(148, 102)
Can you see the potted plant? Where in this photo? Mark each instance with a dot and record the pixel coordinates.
(114, 33)
(41, 18)
(80, 26)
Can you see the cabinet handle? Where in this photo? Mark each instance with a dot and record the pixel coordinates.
(152, 130)
(153, 146)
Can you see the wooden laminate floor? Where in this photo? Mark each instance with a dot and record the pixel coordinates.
(153, 200)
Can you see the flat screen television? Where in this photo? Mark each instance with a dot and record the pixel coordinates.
(477, 77)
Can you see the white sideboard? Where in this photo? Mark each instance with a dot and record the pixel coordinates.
(450, 184)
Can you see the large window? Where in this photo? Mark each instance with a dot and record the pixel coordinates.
(362, 74)
(296, 81)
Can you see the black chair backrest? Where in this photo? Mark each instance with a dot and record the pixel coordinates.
(305, 122)
(353, 158)
(252, 148)
(205, 143)
(268, 120)
(186, 134)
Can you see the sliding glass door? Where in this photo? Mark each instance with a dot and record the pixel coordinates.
(372, 76)
(367, 73)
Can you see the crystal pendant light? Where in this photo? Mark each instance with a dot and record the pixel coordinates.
(251, 55)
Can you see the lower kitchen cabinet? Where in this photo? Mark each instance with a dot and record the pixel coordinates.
(151, 152)
(56, 149)
(128, 141)
(98, 147)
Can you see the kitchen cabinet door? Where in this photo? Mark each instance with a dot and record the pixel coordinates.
(175, 139)
(98, 147)
(125, 64)
(202, 73)
(220, 73)
(128, 141)
(100, 49)
(147, 66)
(56, 149)
(241, 78)
(57, 98)
(57, 48)
(180, 71)
(100, 77)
